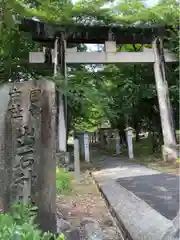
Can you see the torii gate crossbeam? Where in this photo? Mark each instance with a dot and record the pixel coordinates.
(110, 35)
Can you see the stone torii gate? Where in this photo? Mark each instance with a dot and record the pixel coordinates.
(58, 39)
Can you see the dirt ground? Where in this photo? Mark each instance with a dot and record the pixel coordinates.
(157, 163)
(165, 167)
(85, 202)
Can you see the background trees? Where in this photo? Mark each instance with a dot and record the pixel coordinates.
(123, 94)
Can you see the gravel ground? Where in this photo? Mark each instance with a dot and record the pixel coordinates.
(86, 203)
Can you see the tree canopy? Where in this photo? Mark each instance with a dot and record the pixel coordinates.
(120, 93)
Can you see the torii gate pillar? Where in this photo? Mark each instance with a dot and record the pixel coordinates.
(59, 58)
(169, 149)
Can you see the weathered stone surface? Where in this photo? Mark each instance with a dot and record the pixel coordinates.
(70, 167)
(73, 234)
(63, 225)
(4, 143)
(80, 136)
(136, 216)
(37, 111)
(45, 186)
(169, 153)
(111, 233)
(92, 229)
(133, 214)
(172, 234)
(64, 160)
(108, 222)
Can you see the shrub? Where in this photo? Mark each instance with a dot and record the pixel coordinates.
(19, 225)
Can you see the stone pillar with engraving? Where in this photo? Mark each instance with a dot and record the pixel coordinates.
(21, 158)
(30, 148)
(35, 123)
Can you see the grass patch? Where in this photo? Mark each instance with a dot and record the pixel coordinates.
(63, 181)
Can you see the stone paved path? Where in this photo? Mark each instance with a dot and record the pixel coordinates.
(159, 190)
(138, 195)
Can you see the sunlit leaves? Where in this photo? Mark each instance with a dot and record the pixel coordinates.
(114, 92)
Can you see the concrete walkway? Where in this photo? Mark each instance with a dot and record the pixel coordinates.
(144, 201)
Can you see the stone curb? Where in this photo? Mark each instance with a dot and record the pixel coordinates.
(135, 218)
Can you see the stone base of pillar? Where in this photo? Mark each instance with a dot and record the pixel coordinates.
(169, 153)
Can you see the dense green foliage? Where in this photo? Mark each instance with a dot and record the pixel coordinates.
(119, 93)
(19, 224)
